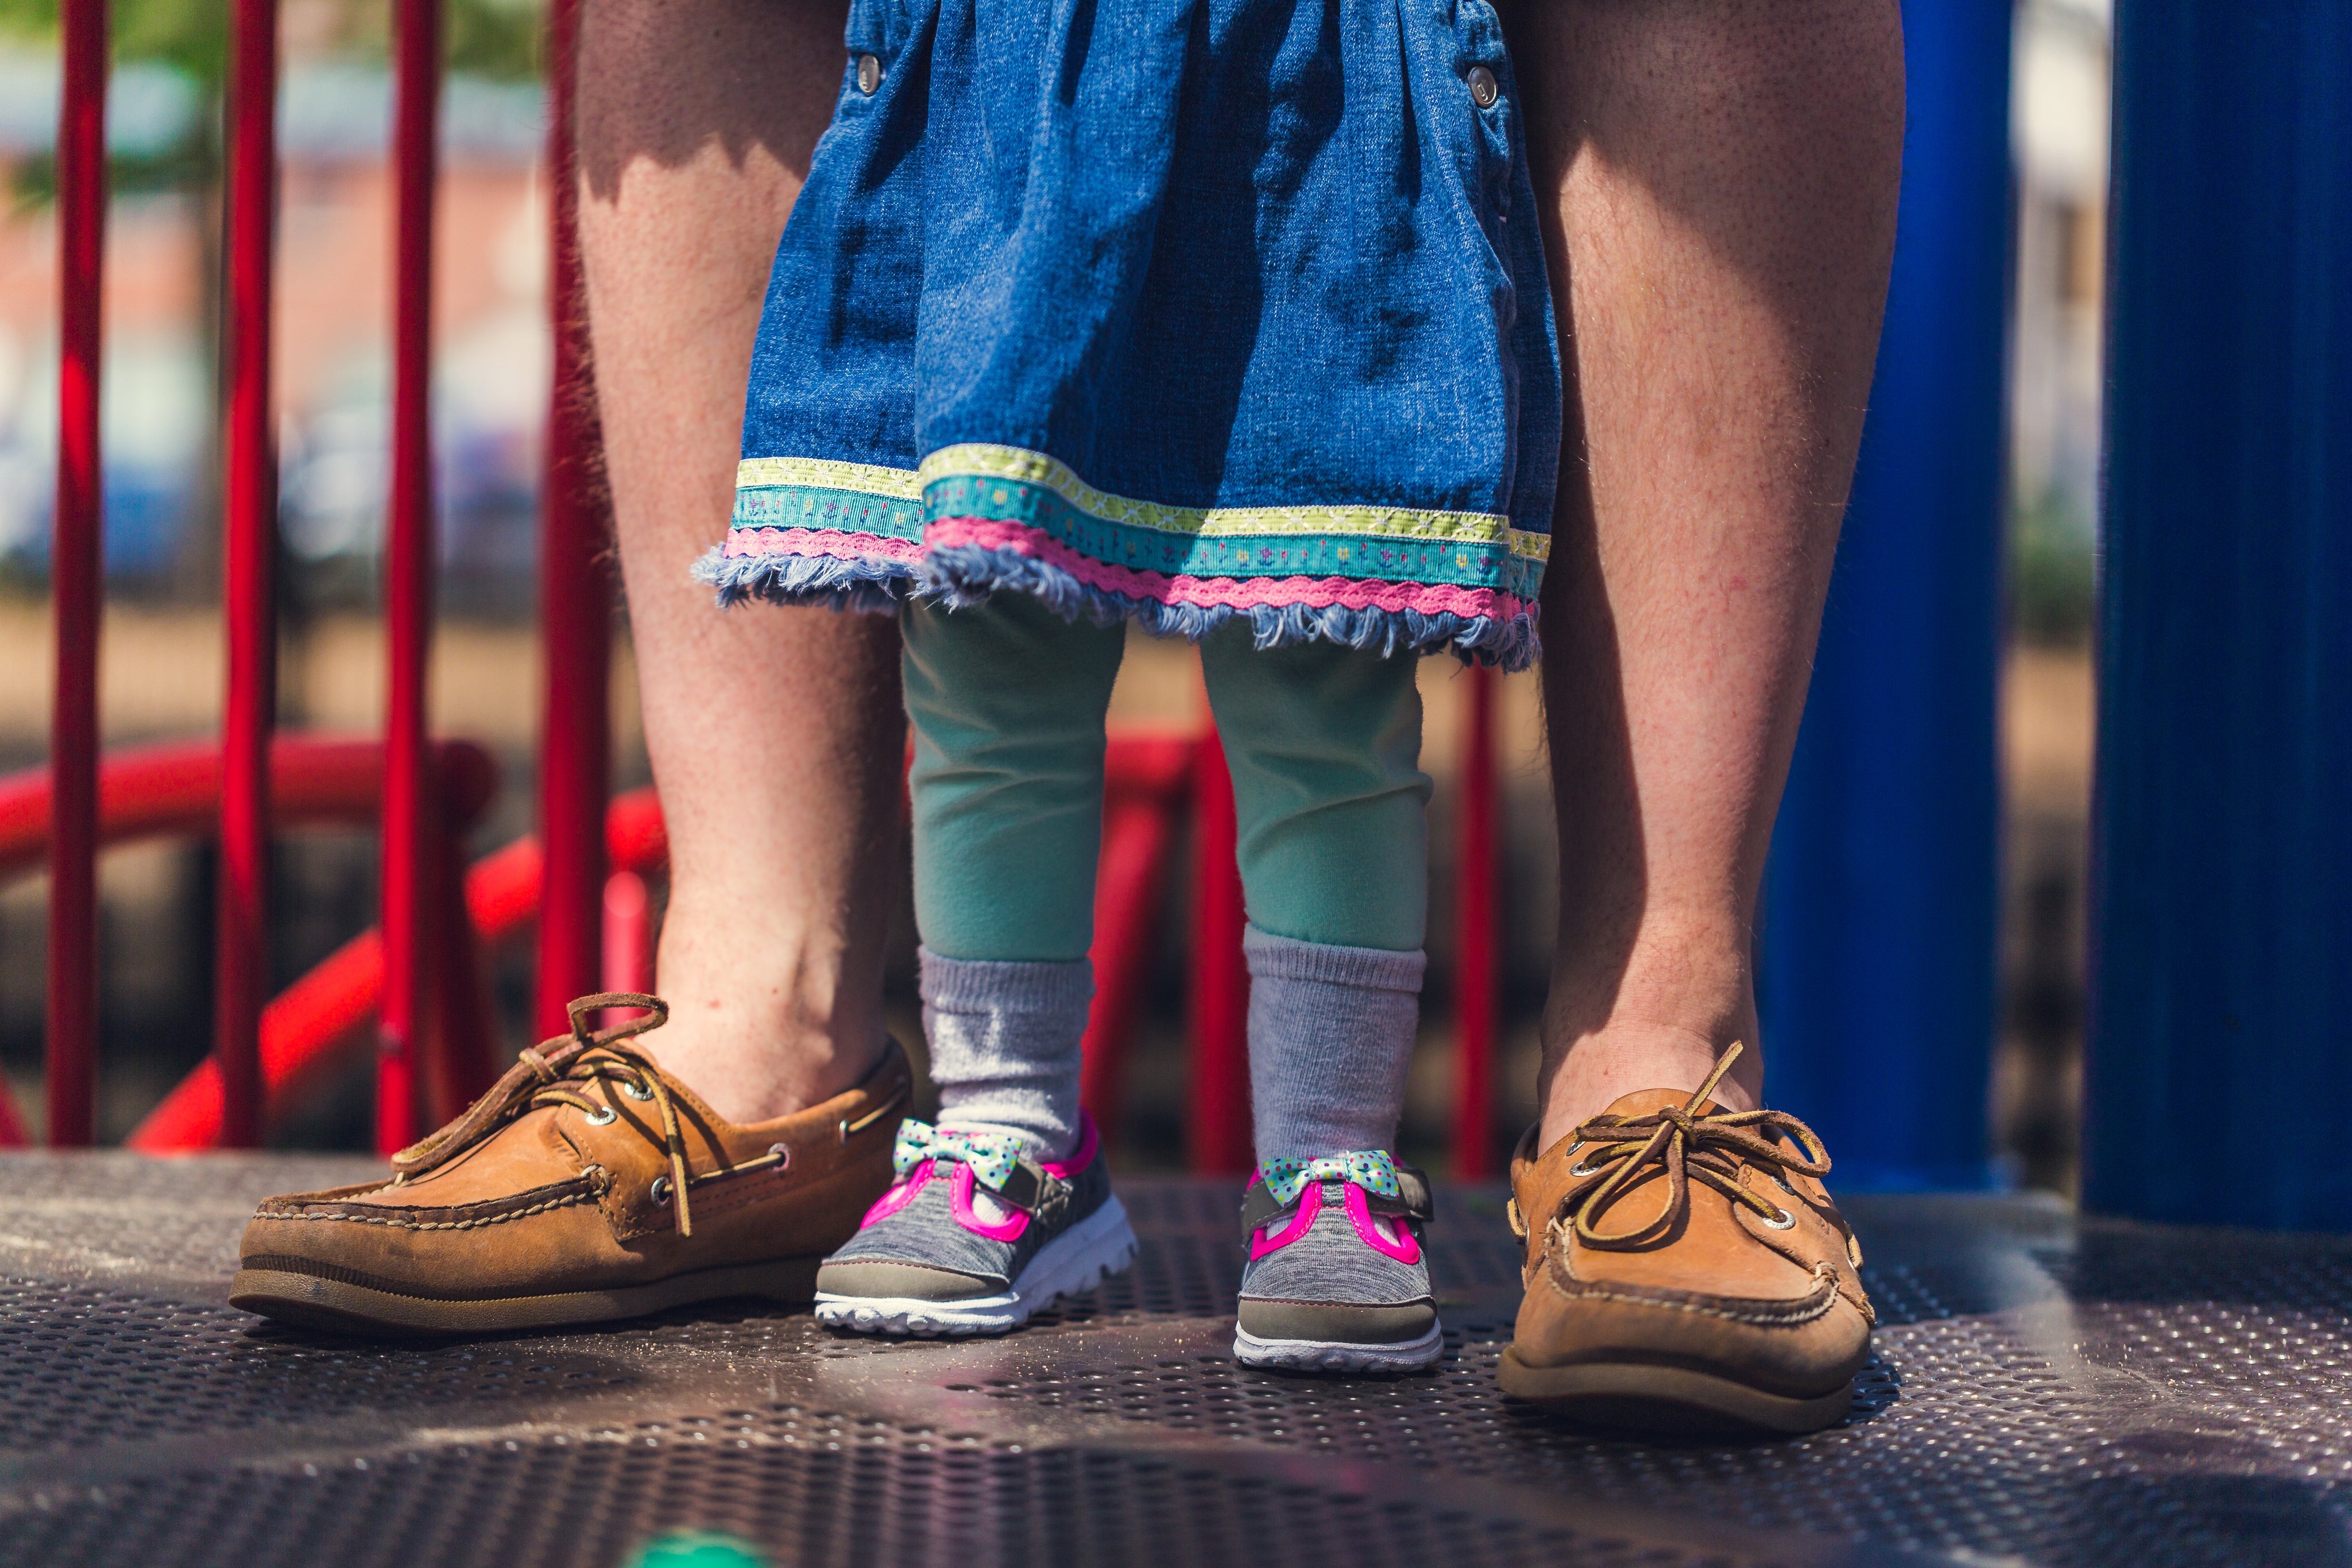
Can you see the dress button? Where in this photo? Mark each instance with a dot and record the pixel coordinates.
(1484, 88)
(869, 75)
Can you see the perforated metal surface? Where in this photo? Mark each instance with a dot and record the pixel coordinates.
(2044, 1391)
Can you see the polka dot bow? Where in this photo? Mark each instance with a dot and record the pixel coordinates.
(1370, 1169)
(991, 1156)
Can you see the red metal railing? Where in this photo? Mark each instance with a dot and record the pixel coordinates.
(76, 579)
(410, 843)
(1218, 1123)
(174, 792)
(421, 972)
(249, 526)
(576, 590)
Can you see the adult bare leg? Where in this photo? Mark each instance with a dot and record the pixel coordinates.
(776, 734)
(1725, 175)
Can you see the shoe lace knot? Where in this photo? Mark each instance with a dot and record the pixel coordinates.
(561, 1072)
(1689, 1147)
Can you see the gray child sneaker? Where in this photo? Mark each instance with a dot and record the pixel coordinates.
(1335, 1280)
(975, 1236)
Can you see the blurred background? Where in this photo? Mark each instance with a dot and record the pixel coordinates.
(162, 674)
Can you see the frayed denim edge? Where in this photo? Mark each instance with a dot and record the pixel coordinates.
(961, 575)
(958, 575)
(866, 584)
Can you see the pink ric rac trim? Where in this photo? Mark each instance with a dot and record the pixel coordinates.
(1011, 1226)
(1310, 1204)
(837, 543)
(1353, 593)
(899, 1196)
(1405, 1249)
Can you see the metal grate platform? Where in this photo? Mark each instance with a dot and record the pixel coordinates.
(2045, 1392)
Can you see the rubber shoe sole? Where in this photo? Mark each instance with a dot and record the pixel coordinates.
(1666, 1400)
(1326, 1355)
(344, 1306)
(1098, 1247)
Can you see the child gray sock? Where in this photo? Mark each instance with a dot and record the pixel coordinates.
(1004, 1041)
(1330, 1034)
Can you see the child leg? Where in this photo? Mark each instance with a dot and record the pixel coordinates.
(1324, 742)
(1007, 703)
(1006, 1204)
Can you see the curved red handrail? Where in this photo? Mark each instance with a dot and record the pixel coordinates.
(310, 1029)
(173, 791)
(312, 1026)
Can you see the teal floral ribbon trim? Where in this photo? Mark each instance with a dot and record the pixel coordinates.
(1376, 543)
(991, 1156)
(1371, 1169)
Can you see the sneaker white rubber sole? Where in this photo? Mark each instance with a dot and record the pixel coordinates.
(1326, 1355)
(1100, 1245)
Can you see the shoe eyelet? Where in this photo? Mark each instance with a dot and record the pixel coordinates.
(1785, 1221)
(783, 1156)
(635, 1091)
(601, 1116)
(659, 1191)
(1581, 1169)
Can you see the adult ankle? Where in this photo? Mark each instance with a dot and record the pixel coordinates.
(748, 1072)
(1653, 1011)
(768, 1017)
(1588, 1070)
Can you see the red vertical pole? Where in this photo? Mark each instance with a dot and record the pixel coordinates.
(1219, 1120)
(1474, 953)
(250, 523)
(575, 593)
(629, 936)
(76, 584)
(77, 579)
(411, 804)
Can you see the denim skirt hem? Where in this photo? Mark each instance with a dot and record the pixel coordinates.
(978, 518)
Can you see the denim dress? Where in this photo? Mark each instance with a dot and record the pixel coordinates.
(1170, 311)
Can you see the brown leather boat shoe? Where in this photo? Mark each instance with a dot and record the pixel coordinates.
(1686, 1272)
(586, 1186)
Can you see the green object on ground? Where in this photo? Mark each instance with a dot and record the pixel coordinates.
(697, 1549)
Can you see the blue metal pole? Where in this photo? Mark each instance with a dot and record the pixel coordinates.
(2221, 823)
(1878, 968)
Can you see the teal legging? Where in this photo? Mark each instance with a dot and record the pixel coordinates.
(1007, 701)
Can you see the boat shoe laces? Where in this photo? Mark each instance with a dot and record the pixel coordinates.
(560, 1071)
(1691, 1147)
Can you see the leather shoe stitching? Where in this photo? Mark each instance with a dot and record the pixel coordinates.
(439, 1224)
(1794, 1314)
